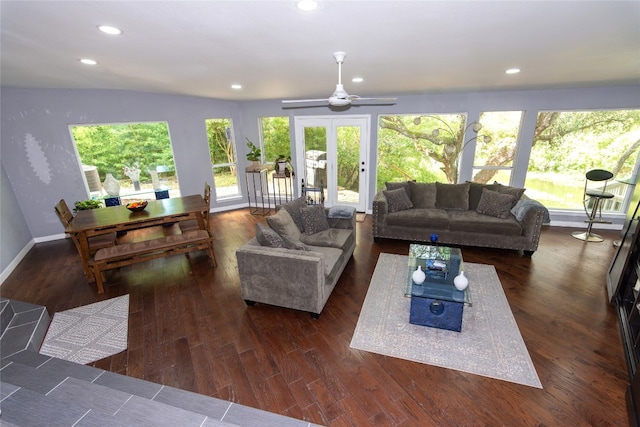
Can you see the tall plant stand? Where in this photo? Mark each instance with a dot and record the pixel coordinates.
(282, 188)
(257, 191)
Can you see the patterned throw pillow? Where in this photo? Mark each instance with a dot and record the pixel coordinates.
(513, 191)
(283, 224)
(397, 200)
(314, 219)
(396, 185)
(293, 208)
(495, 204)
(267, 237)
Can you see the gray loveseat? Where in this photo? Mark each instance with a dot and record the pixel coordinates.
(469, 214)
(297, 260)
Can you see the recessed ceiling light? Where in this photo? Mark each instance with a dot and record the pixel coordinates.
(357, 79)
(307, 5)
(108, 29)
(236, 86)
(88, 61)
(513, 71)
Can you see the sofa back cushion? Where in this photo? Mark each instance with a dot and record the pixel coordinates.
(397, 200)
(423, 195)
(452, 196)
(293, 207)
(314, 219)
(283, 224)
(395, 185)
(475, 192)
(513, 191)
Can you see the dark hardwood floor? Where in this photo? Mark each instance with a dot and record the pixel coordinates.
(190, 328)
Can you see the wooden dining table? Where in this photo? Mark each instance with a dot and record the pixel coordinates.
(94, 222)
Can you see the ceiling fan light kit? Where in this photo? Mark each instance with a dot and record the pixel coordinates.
(340, 97)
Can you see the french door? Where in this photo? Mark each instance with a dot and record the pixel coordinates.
(333, 154)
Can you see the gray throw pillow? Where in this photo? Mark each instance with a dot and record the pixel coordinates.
(397, 200)
(475, 192)
(283, 224)
(293, 208)
(395, 185)
(314, 219)
(423, 194)
(267, 237)
(495, 204)
(452, 196)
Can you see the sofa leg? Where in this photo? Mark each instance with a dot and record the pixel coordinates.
(315, 316)
(250, 303)
(528, 253)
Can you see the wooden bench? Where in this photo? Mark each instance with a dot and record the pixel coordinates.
(131, 253)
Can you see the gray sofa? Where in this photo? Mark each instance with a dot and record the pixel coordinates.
(296, 260)
(468, 214)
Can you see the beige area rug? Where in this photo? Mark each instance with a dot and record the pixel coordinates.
(89, 333)
(490, 343)
(360, 216)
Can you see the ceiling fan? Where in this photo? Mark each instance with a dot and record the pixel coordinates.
(340, 98)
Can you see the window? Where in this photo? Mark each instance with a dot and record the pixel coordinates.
(222, 148)
(276, 141)
(138, 155)
(422, 147)
(496, 143)
(568, 144)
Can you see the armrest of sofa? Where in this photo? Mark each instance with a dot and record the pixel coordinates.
(282, 277)
(379, 214)
(342, 223)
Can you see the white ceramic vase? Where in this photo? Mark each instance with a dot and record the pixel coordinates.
(419, 276)
(460, 281)
(111, 186)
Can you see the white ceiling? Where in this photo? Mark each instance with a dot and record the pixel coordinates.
(277, 52)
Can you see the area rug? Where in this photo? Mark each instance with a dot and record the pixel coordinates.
(89, 333)
(360, 216)
(490, 343)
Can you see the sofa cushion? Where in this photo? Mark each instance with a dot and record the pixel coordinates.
(514, 191)
(314, 219)
(333, 237)
(475, 192)
(331, 260)
(495, 204)
(452, 196)
(397, 200)
(473, 222)
(396, 185)
(424, 218)
(423, 194)
(268, 237)
(283, 224)
(293, 207)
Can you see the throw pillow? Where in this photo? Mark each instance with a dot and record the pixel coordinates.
(314, 219)
(283, 224)
(395, 185)
(475, 192)
(452, 196)
(267, 237)
(423, 195)
(493, 203)
(397, 200)
(293, 208)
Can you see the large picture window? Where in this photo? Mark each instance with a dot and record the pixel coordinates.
(568, 144)
(138, 155)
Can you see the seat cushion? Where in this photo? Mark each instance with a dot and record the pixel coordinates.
(428, 218)
(332, 238)
(332, 259)
(473, 222)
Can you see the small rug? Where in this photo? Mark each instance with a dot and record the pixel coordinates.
(490, 343)
(89, 333)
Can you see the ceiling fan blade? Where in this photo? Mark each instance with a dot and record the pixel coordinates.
(358, 98)
(292, 101)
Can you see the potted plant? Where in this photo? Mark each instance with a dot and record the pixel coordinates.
(253, 155)
(87, 204)
(283, 166)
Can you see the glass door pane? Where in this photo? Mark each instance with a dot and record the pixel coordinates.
(315, 163)
(348, 144)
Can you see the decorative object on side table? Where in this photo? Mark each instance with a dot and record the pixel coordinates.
(460, 281)
(254, 156)
(282, 165)
(133, 172)
(111, 185)
(418, 276)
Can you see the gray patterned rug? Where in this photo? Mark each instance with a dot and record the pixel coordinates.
(89, 333)
(490, 343)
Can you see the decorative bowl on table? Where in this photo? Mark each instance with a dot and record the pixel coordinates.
(137, 206)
